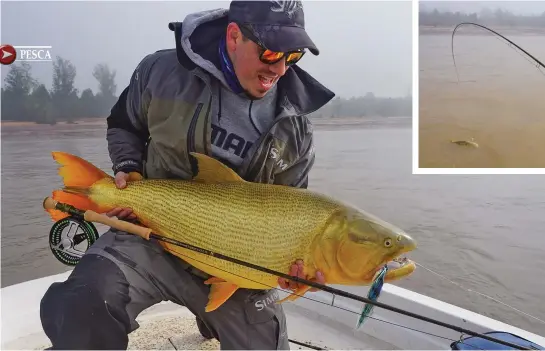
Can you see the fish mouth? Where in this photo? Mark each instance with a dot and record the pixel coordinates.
(398, 268)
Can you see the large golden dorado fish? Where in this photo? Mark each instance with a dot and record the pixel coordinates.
(268, 225)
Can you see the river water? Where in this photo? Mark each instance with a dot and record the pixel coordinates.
(483, 232)
(498, 100)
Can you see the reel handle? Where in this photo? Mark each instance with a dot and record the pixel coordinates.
(92, 216)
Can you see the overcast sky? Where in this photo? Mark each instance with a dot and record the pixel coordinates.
(365, 45)
(516, 7)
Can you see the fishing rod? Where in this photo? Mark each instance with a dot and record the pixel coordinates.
(538, 62)
(146, 233)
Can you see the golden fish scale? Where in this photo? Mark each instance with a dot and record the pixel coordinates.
(270, 226)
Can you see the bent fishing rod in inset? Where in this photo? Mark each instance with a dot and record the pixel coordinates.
(146, 233)
(533, 58)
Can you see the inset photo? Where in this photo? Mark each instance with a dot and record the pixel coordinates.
(481, 87)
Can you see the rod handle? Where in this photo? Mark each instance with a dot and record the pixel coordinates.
(92, 216)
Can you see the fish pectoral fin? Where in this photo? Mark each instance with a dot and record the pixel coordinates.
(219, 293)
(211, 170)
(214, 280)
(296, 294)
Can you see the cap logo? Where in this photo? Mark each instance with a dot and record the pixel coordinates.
(289, 7)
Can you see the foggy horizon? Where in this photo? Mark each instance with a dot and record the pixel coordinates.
(515, 7)
(366, 49)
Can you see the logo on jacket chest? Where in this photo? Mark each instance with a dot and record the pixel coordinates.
(230, 142)
(274, 154)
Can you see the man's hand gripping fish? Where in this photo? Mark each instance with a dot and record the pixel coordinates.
(268, 225)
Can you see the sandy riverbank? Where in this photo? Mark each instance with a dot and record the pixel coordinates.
(82, 121)
(362, 122)
(12, 127)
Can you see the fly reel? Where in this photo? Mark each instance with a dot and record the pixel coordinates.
(70, 237)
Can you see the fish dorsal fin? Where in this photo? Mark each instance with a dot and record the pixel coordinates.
(211, 170)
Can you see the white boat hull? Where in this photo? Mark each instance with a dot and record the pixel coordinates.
(21, 327)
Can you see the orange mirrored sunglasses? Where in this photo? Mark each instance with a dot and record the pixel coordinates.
(268, 56)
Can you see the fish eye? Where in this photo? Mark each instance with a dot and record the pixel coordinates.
(388, 242)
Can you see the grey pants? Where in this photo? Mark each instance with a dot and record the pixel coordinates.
(122, 274)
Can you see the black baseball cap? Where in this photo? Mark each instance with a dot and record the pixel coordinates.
(279, 25)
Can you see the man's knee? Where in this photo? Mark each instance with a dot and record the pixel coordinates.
(268, 329)
(252, 322)
(88, 310)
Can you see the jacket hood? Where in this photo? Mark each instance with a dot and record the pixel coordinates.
(200, 37)
(197, 43)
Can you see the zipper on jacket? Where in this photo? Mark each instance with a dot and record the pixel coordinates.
(191, 137)
(206, 128)
(191, 130)
(145, 157)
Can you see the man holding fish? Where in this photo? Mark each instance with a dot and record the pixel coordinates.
(230, 90)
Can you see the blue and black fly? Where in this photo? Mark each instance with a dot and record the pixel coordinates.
(373, 294)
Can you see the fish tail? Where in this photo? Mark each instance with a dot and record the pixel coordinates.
(78, 176)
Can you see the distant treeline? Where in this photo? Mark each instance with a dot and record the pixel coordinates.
(24, 99)
(486, 17)
(366, 106)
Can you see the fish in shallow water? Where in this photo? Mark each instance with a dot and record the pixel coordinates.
(268, 225)
(470, 142)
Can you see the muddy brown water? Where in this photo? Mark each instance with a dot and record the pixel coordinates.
(498, 100)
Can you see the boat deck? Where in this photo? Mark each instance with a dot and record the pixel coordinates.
(318, 320)
(167, 326)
